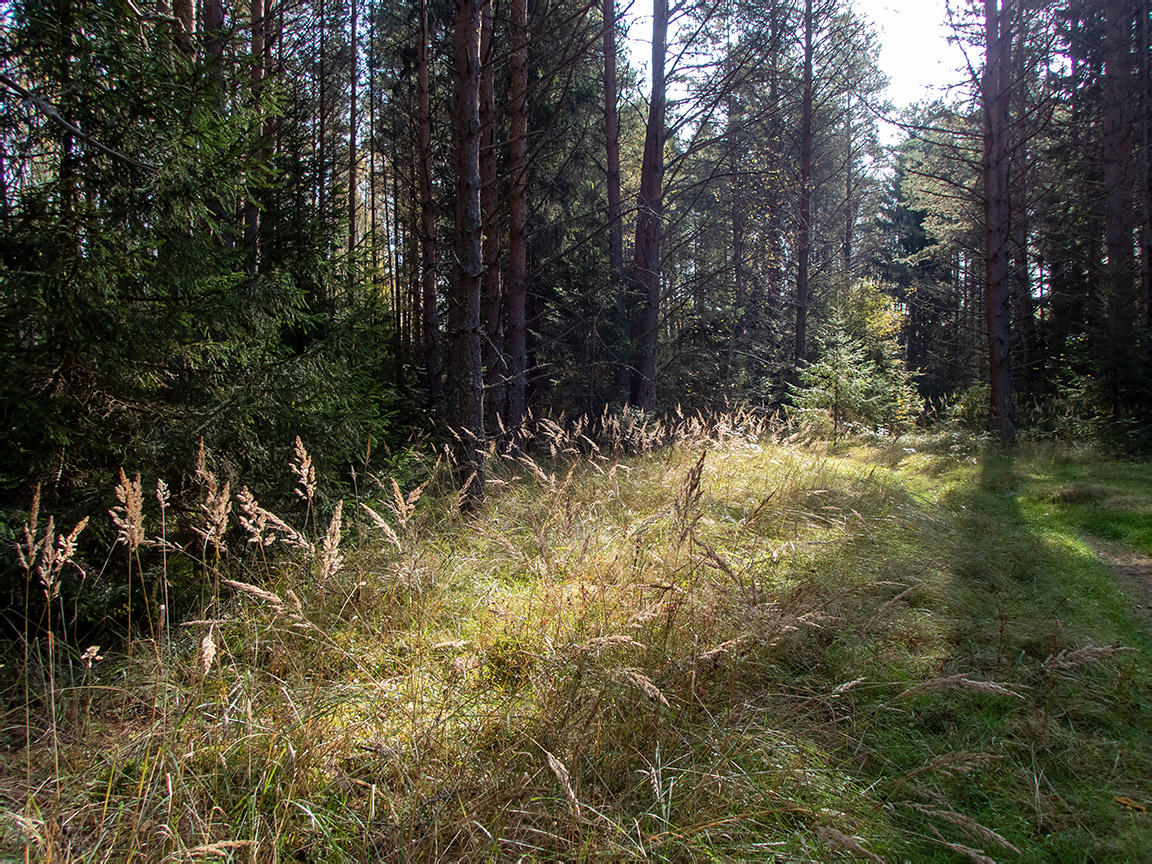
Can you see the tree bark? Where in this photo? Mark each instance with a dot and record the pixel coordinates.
(996, 96)
(215, 40)
(466, 393)
(494, 366)
(612, 177)
(1118, 215)
(428, 305)
(352, 155)
(322, 117)
(185, 27)
(649, 216)
(774, 287)
(1026, 348)
(1145, 156)
(517, 287)
(251, 208)
(804, 240)
(849, 193)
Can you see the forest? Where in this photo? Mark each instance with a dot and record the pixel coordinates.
(665, 407)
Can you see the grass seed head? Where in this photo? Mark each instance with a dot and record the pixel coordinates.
(1082, 656)
(967, 824)
(851, 844)
(129, 516)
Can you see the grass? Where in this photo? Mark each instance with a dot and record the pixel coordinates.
(732, 645)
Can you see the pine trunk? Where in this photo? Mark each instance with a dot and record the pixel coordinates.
(465, 370)
(612, 177)
(251, 208)
(494, 367)
(649, 215)
(352, 156)
(996, 95)
(428, 302)
(517, 287)
(1119, 225)
(804, 240)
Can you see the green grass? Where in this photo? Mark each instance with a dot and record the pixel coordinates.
(781, 650)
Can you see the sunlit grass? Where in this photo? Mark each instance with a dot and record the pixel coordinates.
(729, 646)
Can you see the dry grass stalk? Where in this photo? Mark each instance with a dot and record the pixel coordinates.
(751, 517)
(379, 522)
(713, 655)
(1081, 657)
(948, 764)
(162, 494)
(975, 855)
(561, 774)
(686, 503)
(252, 591)
(536, 470)
(714, 559)
(846, 686)
(207, 650)
(643, 683)
(960, 682)
(129, 516)
(594, 645)
(223, 849)
(217, 503)
(403, 508)
(330, 558)
(305, 471)
(851, 844)
(48, 555)
(253, 518)
(462, 495)
(883, 610)
(968, 825)
(455, 645)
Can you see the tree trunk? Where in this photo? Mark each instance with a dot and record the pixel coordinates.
(185, 27)
(849, 193)
(774, 277)
(737, 217)
(612, 177)
(251, 208)
(465, 370)
(431, 329)
(215, 40)
(1025, 351)
(996, 96)
(1145, 156)
(322, 118)
(494, 367)
(517, 287)
(804, 242)
(649, 214)
(1118, 216)
(352, 120)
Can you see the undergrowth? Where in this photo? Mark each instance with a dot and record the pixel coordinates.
(705, 640)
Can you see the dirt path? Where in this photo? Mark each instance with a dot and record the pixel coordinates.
(1132, 569)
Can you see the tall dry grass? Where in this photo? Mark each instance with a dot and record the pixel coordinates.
(671, 638)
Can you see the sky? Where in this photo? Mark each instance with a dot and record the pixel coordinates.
(913, 35)
(914, 52)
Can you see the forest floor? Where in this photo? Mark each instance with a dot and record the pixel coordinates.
(740, 646)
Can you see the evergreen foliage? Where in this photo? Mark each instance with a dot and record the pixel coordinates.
(858, 381)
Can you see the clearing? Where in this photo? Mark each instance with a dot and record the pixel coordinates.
(730, 646)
